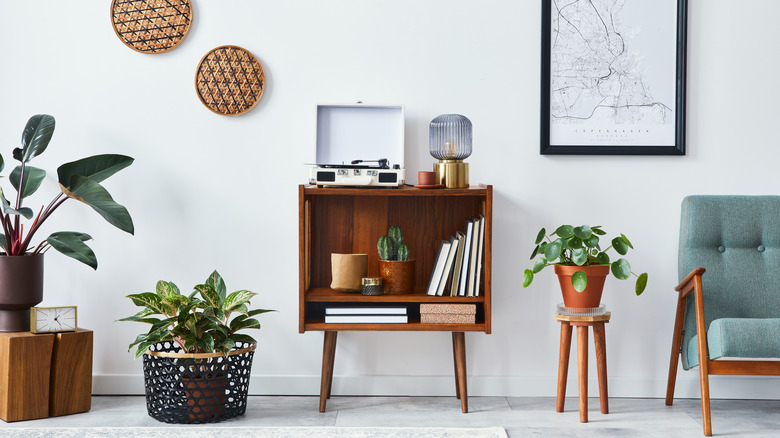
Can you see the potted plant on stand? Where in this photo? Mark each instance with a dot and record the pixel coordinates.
(580, 263)
(21, 261)
(395, 268)
(196, 365)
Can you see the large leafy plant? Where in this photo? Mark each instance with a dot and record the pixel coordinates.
(198, 323)
(581, 246)
(79, 180)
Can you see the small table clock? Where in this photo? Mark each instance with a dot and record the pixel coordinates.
(53, 319)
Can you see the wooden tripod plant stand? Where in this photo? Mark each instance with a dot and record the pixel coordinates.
(582, 323)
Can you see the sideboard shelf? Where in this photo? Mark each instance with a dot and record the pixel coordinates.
(350, 220)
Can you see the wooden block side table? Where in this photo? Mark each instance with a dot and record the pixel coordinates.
(71, 373)
(44, 375)
(582, 323)
(25, 361)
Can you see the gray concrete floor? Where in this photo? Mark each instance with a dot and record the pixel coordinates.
(520, 416)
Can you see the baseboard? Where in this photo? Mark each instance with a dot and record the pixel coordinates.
(721, 387)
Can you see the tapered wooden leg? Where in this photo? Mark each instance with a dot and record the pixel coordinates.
(600, 341)
(328, 356)
(332, 361)
(455, 364)
(563, 365)
(459, 344)
(676, 340)
(704, 369)
(582, 366)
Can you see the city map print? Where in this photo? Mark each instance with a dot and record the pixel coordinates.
(603, 88)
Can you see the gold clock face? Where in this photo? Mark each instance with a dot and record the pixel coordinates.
(53, 319)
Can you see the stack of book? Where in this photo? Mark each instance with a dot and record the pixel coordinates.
(458, 266)
(366, 315)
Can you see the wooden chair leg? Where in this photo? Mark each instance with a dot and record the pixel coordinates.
(459, 341)
(582, 366)
(328, 356)
(563, 365)
(675, 357)
(600, 341)
(704, 369)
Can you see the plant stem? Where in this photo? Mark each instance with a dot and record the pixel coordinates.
(42, 216)
(8, 238)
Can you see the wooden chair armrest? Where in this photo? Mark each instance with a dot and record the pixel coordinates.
(686, 286)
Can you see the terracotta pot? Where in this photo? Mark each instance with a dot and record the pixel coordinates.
(397, 276)
(591, 296)
(21, 287)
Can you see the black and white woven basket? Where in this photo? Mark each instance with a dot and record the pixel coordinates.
(196, 388)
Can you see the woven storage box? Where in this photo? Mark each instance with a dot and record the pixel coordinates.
(191, 388)
(448, 313)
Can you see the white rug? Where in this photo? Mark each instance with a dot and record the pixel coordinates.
(264, 432)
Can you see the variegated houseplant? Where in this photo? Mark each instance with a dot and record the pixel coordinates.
(201, 322)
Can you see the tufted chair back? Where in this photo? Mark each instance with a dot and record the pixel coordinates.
(737, 240)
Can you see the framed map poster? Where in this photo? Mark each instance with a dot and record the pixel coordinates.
(613, 77)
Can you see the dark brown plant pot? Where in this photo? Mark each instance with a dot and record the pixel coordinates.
(205, 397)
(21, 287)
(591, 296)
(397, 276)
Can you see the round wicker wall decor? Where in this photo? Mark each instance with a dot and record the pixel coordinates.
(230, 80)
(151, 26)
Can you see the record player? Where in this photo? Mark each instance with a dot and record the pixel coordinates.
(350, 140)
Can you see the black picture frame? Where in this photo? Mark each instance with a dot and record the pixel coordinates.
(637, 148)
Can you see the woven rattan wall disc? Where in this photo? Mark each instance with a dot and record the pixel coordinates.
(151, 26)
(230, 80)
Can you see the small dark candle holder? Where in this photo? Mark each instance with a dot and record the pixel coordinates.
(371, 286)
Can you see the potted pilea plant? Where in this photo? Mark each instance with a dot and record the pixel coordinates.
(21, 260)
(196, 364)
(580, 263)
(395, 268)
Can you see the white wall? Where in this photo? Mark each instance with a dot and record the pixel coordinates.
(208, 191)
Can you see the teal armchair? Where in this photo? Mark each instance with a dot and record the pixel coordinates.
(728, 309)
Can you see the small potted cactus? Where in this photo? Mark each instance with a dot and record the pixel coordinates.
(395, 268)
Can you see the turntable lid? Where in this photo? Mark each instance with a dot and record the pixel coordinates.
(360, 132)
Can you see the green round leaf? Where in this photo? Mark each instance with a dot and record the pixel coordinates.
(528, 277)
(592, 241)
(539, 265)
(579, 280)
(583, 232)
(597, 230)
(621, 269)
(565, 231)
(540, 236)
(641, 283)
(620, 245)
(572, 242)
(602, 258)
(579, 256)
(553, 250)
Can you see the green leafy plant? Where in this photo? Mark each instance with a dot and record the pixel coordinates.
(198, 323)
(581, 246)
(79, 180)
(391, 246)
